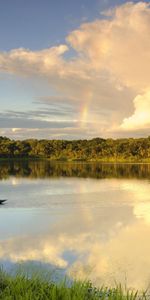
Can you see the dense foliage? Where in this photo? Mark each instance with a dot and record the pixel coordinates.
(97, 149)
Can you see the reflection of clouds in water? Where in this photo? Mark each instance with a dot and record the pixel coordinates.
(124, 254)
(123, 257)
(101, 229)
(140, 189)
(25, 249)
(23, 192)
(142, 210)
(14, 181)
(69, 185)
(140, 193)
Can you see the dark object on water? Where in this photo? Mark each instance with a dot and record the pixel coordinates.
(2, 201)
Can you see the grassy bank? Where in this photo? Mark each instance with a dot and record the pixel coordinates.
(20, 287)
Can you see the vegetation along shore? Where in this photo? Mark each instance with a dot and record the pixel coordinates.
(35, 288)
(97, 149)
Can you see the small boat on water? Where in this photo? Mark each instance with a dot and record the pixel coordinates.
(2, 201)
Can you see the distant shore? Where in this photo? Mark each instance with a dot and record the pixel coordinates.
(127, 150)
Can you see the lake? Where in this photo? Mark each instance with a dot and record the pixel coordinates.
(86, 220)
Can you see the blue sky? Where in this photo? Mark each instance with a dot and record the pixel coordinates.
(38, 25)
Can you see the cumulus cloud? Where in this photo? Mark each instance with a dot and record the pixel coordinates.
(141, 116)
(119, 44)
(26, 62)
(109, 72)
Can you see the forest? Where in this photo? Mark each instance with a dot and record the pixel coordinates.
(96, 149)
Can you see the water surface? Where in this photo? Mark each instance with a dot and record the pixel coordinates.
(89, 220)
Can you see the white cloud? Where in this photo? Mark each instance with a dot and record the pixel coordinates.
(119, 44)
(108, 74)
(26, 62)
(141, 116)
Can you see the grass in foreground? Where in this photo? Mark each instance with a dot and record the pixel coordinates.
(20, 287)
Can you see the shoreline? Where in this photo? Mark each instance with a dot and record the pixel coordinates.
(101, 161)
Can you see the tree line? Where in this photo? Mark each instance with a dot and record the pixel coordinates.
(97, 149)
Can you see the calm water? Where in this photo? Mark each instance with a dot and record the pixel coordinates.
(89, 220)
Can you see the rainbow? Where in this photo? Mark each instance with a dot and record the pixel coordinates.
(84, 113)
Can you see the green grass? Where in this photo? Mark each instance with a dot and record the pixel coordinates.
(20, 287)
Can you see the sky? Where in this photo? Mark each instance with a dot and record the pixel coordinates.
(74, 69)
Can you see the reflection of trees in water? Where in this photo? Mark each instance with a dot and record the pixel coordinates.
(46, 169)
